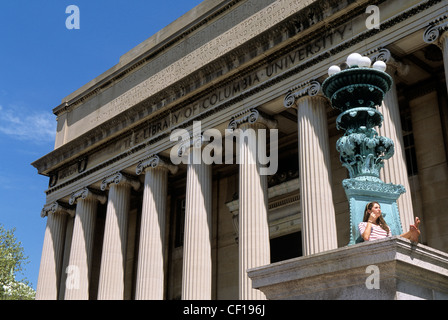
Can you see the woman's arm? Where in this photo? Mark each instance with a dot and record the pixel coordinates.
(367, 231)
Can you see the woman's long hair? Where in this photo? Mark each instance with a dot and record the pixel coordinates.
(380, 220)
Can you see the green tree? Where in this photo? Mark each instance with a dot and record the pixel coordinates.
(12, 263)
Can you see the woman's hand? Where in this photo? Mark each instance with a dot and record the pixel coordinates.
(372, 218)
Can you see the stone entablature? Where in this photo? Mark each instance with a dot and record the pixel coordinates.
(70, 162)
(143, 83)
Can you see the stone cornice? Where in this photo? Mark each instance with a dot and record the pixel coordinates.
(60, 156)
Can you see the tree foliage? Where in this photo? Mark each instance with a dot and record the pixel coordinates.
(12, 263)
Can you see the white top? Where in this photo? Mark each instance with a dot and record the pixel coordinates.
(376, 233)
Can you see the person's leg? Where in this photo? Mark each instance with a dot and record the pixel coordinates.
(414, 233)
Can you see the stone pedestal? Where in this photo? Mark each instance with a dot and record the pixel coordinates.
(388, 269)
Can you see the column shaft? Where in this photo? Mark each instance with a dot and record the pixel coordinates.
(150, 269)
(80, 262)
(111, 282)
(197, 260)
(395, 170)
(51, 260)
(318, 215)
(254, 247)
(444, 47)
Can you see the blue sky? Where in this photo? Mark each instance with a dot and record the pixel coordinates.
(41, 62)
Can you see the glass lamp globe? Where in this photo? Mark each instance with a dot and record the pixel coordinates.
(364, 62)
(333, 70)
(380, 65)
(353, 59)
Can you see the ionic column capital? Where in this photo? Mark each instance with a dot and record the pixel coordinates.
(155, 161)
(192, 142)
(87, 193)
(436, 31)
(119, 178)
(57, 208)
(252, 116)
(393, 65)
(305, 89)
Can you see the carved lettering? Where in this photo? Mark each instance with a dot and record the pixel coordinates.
(237, 87)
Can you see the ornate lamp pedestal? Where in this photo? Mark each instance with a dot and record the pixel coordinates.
(356, 92)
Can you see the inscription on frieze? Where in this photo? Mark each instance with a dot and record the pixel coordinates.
(259, 22)
(261, 75)
(222, 94)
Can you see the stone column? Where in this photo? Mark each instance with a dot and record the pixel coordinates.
(197, 257)
(318, 215)
(443, 44)
(150, 268)
(80, 261)
(111, 282)
(437, 33)
(51, 261)
(254, 247)
(395, 170)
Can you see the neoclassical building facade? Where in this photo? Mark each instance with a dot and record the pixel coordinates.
(123, 221)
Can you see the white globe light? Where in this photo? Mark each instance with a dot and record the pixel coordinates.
(380, 65)
(364, 62)
(333, 70)
(353, 59)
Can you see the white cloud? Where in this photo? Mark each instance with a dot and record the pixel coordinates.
(25, 125)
